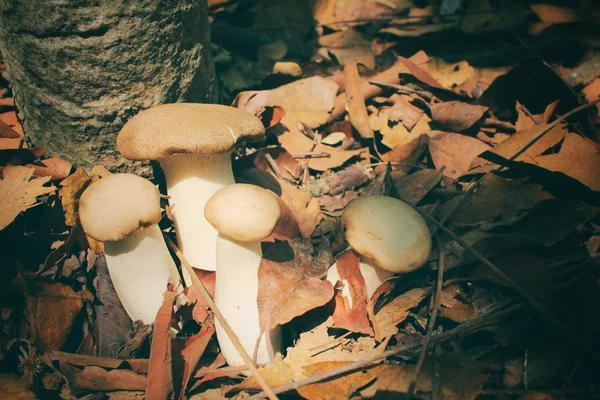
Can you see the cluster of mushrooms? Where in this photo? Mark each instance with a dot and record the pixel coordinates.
(220, 224)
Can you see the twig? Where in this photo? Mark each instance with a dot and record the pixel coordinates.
(436, 384)
(541, 310)
(230, 333)
(311, 154)
(561, 392)
(273, 165)
(487, 315)
(330, 343)
(434, 312)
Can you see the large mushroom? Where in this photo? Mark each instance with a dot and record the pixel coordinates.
(122, 210)
(193, 144)
(244, 215)
(390, 237)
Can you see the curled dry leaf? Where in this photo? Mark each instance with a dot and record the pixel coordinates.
(355, 102)
(194, 348)
(457, 116)
(396, 311)
(289, 289)
(351, 314)
(18, 192)
(309, 99)
(452, 153)
(70, 191)
(159, 385)
(54, 167)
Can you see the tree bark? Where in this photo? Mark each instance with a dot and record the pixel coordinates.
(79, 69)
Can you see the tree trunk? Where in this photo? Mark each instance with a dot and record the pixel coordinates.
(79, 69)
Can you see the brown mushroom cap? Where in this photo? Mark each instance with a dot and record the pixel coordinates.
(243, 212)
(389, 231)
(187, 128)
(116, 206)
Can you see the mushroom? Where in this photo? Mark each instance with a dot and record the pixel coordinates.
(193, 144)
(244, 215)
(390, 237)
(122, 210)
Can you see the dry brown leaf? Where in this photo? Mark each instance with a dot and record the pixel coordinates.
(355, 102)
(406, 152)
(403, 111)
(18, 192)
(420, 73)
(450, 75)
(276, 374)
(453, 307)
(351, 315)
(414, 187)
(97, 379)
(524, 121)
(396, 311)
(452, 153)
(309, 218)
(54, 167)
(349, 46)
(295, 142)
(592, 92)
(159, 385)
(70, 191)
(482, 16)
(393, 134)
(289, 289)
(310, 99)
(457, 116)
(328, 12)
(578, 158)
(194, 348)
(339, 388)
(52, 308)
(6, 132)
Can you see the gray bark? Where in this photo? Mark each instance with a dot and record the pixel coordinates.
(79, 68)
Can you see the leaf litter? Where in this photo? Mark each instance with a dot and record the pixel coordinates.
(363, 111)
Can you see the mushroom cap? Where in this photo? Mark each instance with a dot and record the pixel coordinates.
(388, 231)
(187, 128)
(114, 207)
(243, 212)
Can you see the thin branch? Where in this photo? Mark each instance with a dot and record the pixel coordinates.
(230, 333)
(541, 310)
(437, 299)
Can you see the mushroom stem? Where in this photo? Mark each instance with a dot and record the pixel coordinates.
(372, 274)
(191, 181)
(140, 267)
(236, 294)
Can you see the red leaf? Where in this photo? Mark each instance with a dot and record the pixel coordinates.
(355, 318)
(159, 385)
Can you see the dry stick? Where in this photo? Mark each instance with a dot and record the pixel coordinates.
(489, 314)
(513, 285)
(437, 299)
(230, 333)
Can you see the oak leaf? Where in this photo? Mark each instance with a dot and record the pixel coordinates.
(18, 192)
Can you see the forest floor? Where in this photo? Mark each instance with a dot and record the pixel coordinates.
(482, 119)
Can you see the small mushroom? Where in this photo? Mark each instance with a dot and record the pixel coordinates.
(122, 210)
(244, 215)
(388, 234)
(193, 144)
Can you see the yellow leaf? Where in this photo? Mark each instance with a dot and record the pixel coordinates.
(18, 192)
(71, 189)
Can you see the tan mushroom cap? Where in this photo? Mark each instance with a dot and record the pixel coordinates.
(243, 212)
(388, 231)
(187, 128)
(116, 206)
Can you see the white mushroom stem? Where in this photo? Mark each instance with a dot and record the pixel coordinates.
(191, 181)
(236, 294)
(140, 267)
(373, 275)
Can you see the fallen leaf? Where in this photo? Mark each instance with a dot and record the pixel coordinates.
(396, 311)
(457, 116)
(481, 16)
(288, 167)
(6, 132)
(51, 310)
(329, 12)
(414, 187)
(349, 46)
(393, 134)
(450, 75)
(54, 167)
(159, 385)
(310, 99)
(289, 289)
(194, 348)
(98, 379)
(403, 111)
(18, 192)
(420, 73)
(309, 218)
(351, 314)
(355, 102)
(524, 121)
(334, 138)
(338, 388)
(276, 374)
(339, 182)
(139, 366)
(453, 307)
(69, 193)
(452, 153)
(496, 201)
